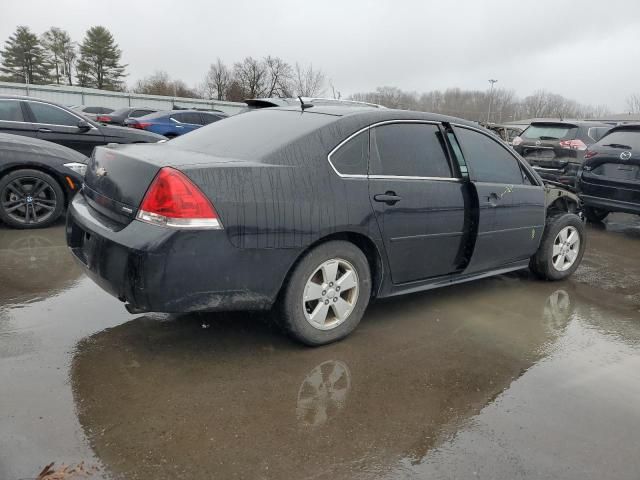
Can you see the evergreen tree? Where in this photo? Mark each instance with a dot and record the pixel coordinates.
(24, 59)
(62, 54)
(99, 65)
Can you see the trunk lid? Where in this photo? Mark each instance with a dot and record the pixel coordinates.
(118, 176)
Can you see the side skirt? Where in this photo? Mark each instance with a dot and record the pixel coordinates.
(453, 279)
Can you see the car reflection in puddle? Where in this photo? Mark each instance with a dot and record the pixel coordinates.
(161, 397)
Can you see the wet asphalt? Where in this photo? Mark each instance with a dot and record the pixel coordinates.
(503, 378)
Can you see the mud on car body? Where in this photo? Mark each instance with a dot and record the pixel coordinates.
(315, 212)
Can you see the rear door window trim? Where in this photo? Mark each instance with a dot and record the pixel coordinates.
(452, 178)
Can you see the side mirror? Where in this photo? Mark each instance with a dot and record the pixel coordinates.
(83, 125)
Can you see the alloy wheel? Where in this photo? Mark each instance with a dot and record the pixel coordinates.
(330, 294)
(28, 200)
(566, 248)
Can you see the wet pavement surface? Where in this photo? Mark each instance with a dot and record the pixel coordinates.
(503, 378)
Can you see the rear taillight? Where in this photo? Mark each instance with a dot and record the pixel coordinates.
(589, 154)
(140, 125)
(103, 118)
(174, 201)
(516, 141)
(573, 144)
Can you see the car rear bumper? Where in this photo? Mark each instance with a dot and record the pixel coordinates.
(611, 205)
(162, 270)
(614, 197)
(566, 175)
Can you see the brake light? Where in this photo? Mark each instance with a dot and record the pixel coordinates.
(174, 201)
(103, 118)
(516, 141)
(589, 154)
(140, 125)
(573, 144)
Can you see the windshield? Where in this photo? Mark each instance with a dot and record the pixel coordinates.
(550, 132)
(253, 134)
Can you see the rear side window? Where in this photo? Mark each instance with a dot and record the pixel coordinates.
(551, 132)
(10, 111)
(596, 133)
(489, 161)
(408, 149)
(52, 115)
(622, 139)
(188, 117)
(140, 113)
(352, 157)
(208, 118)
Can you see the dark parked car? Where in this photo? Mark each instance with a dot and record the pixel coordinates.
(610, 177)
(315, 211)
(37, 180)
(175, 123)
(92, 112)
(556, 148)
(117, 117)
(45, 120)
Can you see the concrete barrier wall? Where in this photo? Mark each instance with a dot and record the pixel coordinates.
(66, 95)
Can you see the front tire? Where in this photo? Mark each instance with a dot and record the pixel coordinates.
(326, 294)
(562, 247)
(30, 199)
(595, 215)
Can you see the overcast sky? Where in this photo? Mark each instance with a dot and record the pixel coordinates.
(586, 50)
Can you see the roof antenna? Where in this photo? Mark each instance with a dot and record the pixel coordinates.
(304, 105)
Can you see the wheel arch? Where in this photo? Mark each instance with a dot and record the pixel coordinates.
(363, 242)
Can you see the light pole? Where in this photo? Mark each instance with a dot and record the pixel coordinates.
(491, 81)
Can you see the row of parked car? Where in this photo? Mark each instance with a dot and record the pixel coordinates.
(600, 161)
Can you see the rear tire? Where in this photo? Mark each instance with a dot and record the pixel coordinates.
(326, 294)
(562, 247)
(30, 199)
(595, 215)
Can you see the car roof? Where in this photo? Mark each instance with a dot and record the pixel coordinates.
(375, 115)
(623, 127)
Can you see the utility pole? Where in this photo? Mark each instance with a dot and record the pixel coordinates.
(491, 81)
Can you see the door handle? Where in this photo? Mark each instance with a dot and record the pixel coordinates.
(390, 198)
(45, 130)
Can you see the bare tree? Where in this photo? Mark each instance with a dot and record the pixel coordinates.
(308, 82)
(217, 81)
(161, 84)
(62, 53)
(279, 77)
(633, 103)
(252, 76)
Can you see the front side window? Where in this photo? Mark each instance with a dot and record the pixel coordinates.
(489, 161)
(51, 115)
(10, 111)
(352, 157)
(408, 149)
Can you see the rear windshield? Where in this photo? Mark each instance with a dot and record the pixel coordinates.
(623, 139)
(551, 132)
(253, 134)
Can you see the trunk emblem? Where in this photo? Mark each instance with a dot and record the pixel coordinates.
(101, 172)
(625, 155)
(538, 142)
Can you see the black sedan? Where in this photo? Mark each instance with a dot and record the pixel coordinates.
(37, 180)
(316, 211)
(49, 121)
